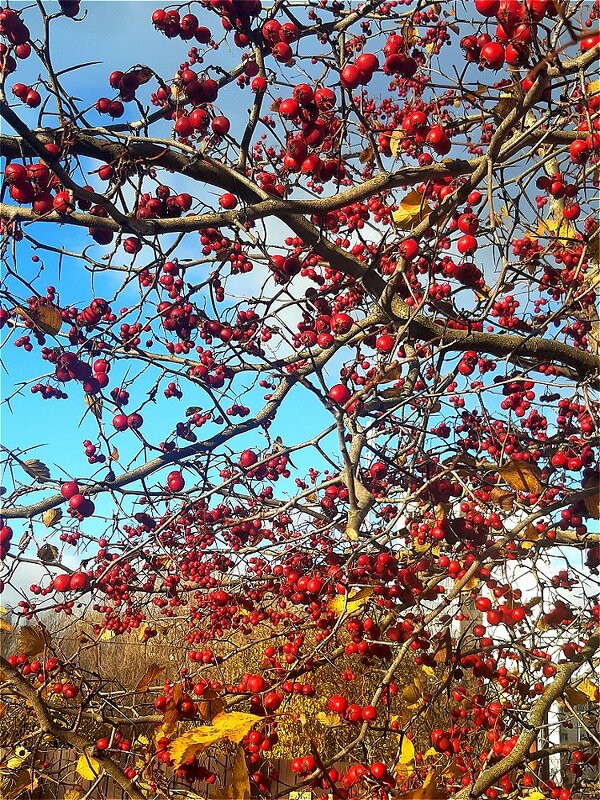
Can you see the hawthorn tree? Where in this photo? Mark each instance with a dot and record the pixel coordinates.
(323, 310)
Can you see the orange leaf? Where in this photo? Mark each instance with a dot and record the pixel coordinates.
(148, 677)
(522, 476)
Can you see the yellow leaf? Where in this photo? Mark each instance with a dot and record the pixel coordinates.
(21, 754)
(329, 720)
(522, 476)
(588, 688)
(556, 226)
(427, 670)
(239, 788)
(345, 604)
(405, 768)
(593, 88)
(5, 626)
(395, 139)
(148, 677)
(51, 517)
(413, 209)
(88, 767)
(106, 636)
(536, 796)
(412, 693)
(529, 536)
(428, 791)
(73, 794)
(233, 727)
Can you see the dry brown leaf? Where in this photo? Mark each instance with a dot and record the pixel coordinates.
(232, 727)
(32, 640)
(503, 498)
(143, 74)
(51, 517)
(592, 501)
(576, 697)
(46, 318)
(210, 705)
(47, 553)
(153, 671)
(5, 626)
(366, 155)
(94, 404)
(14, 785)
(36, 468)
(522, 476)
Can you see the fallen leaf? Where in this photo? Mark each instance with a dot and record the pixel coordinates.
(88, 767)
(36, 468)
(348, 604)
(412, 210)
(522, 476)
(51, 517)
(148, 677)
(232, 727)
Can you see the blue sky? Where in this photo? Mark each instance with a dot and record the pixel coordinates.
(120, 35)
